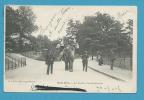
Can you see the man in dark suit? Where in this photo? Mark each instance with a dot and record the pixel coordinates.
(50, 62)
(85, 60)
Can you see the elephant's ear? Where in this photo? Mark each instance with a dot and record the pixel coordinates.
(65, 50)
(58, 46)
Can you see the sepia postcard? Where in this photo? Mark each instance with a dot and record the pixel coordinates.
(70, 49)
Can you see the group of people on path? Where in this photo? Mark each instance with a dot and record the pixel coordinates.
(50, 61)
(111, 56)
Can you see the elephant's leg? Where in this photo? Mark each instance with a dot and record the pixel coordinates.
(48, 68)
(86, 66)
(66, 65)
(70, 69)
(72, 61)
(51, 68)
(71, 66)
(83, 65)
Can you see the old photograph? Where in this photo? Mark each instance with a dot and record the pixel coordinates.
(70, 49)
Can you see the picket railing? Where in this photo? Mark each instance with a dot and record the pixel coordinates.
(14, 62)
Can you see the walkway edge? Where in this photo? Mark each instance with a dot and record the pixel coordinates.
(108, 75)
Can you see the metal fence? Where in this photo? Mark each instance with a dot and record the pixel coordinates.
(13, 62)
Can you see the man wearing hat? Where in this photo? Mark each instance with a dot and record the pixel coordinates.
(49, 61)
(85, 60)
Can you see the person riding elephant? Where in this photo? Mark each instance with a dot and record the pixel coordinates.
(68, 57)
(66, 49)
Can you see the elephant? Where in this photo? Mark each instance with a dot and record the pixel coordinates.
(68, 57)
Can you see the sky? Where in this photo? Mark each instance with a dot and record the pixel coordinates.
(52, 20)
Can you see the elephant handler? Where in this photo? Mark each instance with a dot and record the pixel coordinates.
(85, 60)
(50, 61)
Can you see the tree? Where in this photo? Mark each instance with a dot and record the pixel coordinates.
(25, 20)
(71, 30)
(129, 29)
(40, 42)
(99, 32)
(10, 29)
(20, 23)
(104, 33)
(43, 42)
(72, 27)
